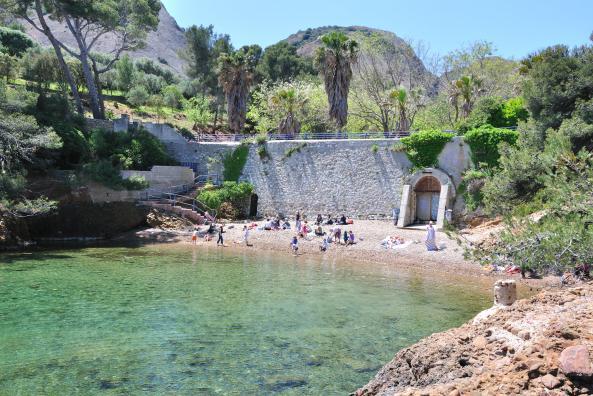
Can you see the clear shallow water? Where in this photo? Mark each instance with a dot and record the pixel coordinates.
(161, 320)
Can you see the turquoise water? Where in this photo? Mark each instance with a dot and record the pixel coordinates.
(161, 320)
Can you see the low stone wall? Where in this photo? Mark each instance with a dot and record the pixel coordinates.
(91, 123)
(163, 176)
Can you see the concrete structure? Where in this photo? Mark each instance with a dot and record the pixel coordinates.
(505, 292)
(359, 178)
(163, 176)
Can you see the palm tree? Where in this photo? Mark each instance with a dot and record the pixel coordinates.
(235, 76)
(400, 100)
(288, 101)
(467, 88)
(335, 59)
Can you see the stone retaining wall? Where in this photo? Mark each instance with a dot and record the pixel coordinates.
(339, 176)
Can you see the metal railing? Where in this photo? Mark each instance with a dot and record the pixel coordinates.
(183, 201)
(202, 180)
(304, 136)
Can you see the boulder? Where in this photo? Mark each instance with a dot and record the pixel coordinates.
(575, 362)
(550, 382)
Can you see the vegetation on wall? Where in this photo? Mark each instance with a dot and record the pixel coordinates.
(484, 142)
(231, 192)
(235, 162)
(423, 148)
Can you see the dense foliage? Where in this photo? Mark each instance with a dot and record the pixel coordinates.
(235, 162)
(423, 148)
(484, 142)
(230, 192)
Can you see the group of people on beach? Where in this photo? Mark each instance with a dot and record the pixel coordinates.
(334, 235)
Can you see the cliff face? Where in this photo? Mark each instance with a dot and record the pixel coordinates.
(162, 46)
(538, 346)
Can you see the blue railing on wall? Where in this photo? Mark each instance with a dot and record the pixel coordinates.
(304, 136)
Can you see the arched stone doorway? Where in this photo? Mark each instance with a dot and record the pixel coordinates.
(426, 196)
(427, 192)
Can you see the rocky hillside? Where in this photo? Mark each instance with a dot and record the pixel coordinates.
(162, 46)
(538, 346)
(307, 41)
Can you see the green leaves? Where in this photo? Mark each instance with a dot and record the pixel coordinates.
(231, 192)
(423, 148)
(484, 143)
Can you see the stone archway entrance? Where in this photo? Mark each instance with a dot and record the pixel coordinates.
(425, 197)
(427, 191)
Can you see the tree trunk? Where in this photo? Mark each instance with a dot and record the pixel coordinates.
(60, 56)
(83, 57)
(99, 87)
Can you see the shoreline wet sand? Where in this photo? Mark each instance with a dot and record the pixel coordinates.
(413, 257)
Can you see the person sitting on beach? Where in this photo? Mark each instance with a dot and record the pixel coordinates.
(294, 244)
(276, 224)
(343, 220)
(329, 220)
(207, 237)
(430, 242)
(286, 225)
(351, 238)
(268, 225)
(324, 245)
(346, 237)
(319, 219)
(319, 231)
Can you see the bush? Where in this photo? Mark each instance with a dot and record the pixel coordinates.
(230, 192)
(15, 42)
(235, 162)
(172, 97)
(484, 142)
(108, 174)
(496, 112)
(374, 149)
(138, 149)
(423, 148)
(471, 188)
(137, 96)
(263, 152)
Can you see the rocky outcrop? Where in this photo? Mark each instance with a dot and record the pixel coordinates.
(538, 346)
(162, 46)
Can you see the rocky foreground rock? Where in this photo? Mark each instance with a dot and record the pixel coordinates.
(538, 346)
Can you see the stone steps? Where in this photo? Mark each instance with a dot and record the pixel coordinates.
(185, 213)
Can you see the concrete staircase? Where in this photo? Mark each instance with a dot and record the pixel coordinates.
(184, 205)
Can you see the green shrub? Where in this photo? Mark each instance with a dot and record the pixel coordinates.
(294, 149)
(15, 42)
(230, 192)
(484, 142)
(109, 174)
(471, 188)
(375, 148)
(235, 162)
(423, 148)
(136, 149)
(261, 138)
(263, 153)
(497, 112)
(138, 96)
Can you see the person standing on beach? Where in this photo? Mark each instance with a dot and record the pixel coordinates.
(345, 237)
(220, 238)
(430, 242)
(194, 236)
(246, 235)
(294, 245)
(297, 225)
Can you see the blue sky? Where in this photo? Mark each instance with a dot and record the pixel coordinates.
(516, 27)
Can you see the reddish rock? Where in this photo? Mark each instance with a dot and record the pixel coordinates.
(575, 361)
(550, 381)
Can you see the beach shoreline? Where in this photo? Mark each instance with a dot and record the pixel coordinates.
(413, 256)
